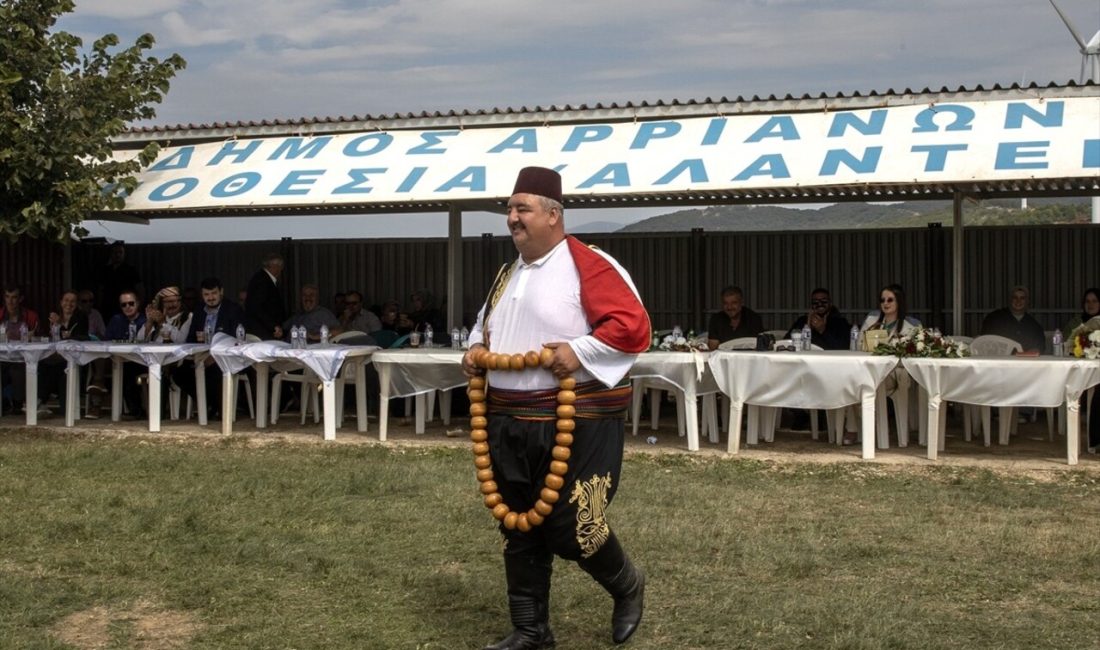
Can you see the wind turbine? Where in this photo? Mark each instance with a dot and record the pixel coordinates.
(1090, 52)
(1090, 69)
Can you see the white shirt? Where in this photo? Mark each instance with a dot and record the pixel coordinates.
(542, 304)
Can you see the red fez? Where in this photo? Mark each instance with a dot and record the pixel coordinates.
(540, 181)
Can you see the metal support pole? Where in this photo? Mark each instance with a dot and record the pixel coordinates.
(454, 267)
(957, 265)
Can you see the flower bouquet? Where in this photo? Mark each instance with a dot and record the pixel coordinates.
(672, 343)
(1086, 339)
(923, 342)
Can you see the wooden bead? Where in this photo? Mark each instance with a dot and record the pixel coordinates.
(554, 482)
(488, 487)
(479, 422)
(543, 508)
(478, 409)
(548, 495)
(517, 361)
(560, 453)
(566, 411)
(535, 518)
(477, 383)
(493, 500)
(480, 356)
(510, 520)
(531, 359)
(479, 435)
(483, 462)
(500, 510)
(546, 356)
(566, 397)
(564, 439)
(504, 362)
(567, 384)
(558, 467)
(484, 474)
(477, 395)
(522, 523)
(481, 448)
(565, 426)
(489, 360)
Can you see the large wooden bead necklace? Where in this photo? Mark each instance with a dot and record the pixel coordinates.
(479, 434)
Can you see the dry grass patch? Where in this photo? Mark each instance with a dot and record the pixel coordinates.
(143, 625)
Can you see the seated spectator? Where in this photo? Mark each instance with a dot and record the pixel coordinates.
(219, 316)
(72, 325)
(338, 302)
(735, 321)
(391, 316)
(829, 328)
(13, 314)
(355, 318)
(312, 315)
(85, 302)
(97, 331)
(1015, 323)
(1090, 308)
(892, 311)
(423, 313)
(166, 319)
(118, 329)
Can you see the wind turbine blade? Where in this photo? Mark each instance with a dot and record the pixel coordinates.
(1094, 43)
(1076, 36)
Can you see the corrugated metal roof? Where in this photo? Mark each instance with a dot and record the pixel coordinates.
(599, 111)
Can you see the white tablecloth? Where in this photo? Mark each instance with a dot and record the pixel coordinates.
(326, 361)
(29, 354)
(686, 372)
(415, 371)
(154, 356)
(1005, 381)
(806, 380)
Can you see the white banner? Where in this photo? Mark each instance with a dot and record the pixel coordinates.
(938, 143)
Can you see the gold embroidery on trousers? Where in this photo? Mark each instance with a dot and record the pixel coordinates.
(591, 499)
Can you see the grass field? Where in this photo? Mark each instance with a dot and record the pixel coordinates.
(144, 543)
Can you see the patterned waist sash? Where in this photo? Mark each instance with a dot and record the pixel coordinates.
(593, 401)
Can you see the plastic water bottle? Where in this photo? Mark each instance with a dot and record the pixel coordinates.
(807, 337)
(324, 335)
(294, 337)
(55, 332)
(456, 339)
(208, 332)
(3, 332)
(132, 327)
(240, 334)
(428, 334)
(853, 339)
(1057, 348)
(464, 338)
(303, 337)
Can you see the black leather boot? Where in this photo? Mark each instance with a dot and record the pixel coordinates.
(528, 603)
(617, 574)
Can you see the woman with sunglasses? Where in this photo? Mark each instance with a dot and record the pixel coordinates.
(891, 315)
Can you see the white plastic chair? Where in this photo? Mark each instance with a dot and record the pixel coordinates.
(991, 345)
(743, 343)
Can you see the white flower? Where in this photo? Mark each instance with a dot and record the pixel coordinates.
(920, 346)
(1094, 337)
(680, 341)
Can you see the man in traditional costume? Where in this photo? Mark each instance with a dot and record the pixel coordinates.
(579, 303)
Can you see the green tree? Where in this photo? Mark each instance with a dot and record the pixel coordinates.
(60, 106)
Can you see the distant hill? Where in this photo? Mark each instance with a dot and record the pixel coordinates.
(596, 226)
(841, 216)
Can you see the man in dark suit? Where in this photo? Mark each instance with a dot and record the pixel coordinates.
(223, 316)
(264, 306)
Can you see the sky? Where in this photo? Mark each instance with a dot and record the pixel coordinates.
(267, 59)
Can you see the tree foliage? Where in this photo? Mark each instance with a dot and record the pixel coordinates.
(60, 106)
